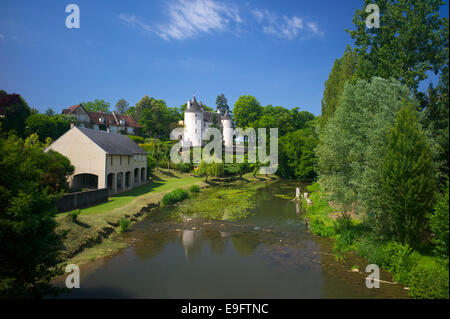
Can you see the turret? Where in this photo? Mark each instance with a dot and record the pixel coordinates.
(193, 121)
(227, 125)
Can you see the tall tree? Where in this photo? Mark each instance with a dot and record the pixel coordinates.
(122, 106)
(408, 43)
(29, 253)
(342, 71)
(222, 103)
(96, 106)
(246, 110)
(408, 181)
(15, 111)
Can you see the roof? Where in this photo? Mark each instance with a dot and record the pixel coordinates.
(112, 143)
(226, 116)
(193, 106)
(111, 119)
(208, 116)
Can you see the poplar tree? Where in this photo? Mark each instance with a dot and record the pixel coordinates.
(408, 179)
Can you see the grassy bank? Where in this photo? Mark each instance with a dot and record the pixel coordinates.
(426, 275)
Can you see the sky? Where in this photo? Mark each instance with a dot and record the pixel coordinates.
(281, 52)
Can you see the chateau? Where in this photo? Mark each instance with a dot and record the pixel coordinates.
(197, 120)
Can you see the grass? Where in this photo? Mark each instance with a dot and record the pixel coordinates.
(175, 196)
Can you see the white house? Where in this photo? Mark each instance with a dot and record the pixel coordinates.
(197, 120)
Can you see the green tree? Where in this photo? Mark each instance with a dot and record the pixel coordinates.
(439, 221)
(29, 253)
(15, 111)
(222, 104)
(96, 106)
(353, 141)
(48, 126)
(49, 112)
(342, 71)
(246, 110)
(408, 43)
(408, 180)
(122, 106)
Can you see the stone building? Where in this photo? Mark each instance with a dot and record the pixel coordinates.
(102, 159)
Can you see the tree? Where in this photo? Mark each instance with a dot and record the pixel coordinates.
(15, 111)
(439, 222)
(50, 112)
(408, 180)
(353, 141)
(408, 43)
(96, 106)
(122, 106)
(29, 253)
(49, 126)
(246, 110)
(342, 71)
(210, 169)
(222, 104)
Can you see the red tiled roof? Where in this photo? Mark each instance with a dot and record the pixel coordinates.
(109, 117)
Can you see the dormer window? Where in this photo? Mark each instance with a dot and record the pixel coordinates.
(122, 122)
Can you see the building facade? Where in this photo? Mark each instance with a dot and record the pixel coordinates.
(102, 159)
(115, 123)
(197, 121)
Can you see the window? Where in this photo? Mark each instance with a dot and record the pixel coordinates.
(130, 130)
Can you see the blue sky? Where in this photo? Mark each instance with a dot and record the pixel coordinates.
(279, 51)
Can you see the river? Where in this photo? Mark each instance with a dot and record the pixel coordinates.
(267, 255)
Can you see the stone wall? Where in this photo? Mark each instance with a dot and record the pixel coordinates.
(82, 199)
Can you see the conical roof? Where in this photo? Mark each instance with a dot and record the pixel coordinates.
(193, 106)
(226, 116)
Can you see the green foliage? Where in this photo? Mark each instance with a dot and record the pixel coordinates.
(409, 42)
(48, 126)
(124, 224)
(439, 221)
(429, 281)
(296, 154)
(30, 247)
(74, 214)
(96, 106)
(222, 103)
(122, 106)
(342, 71)
(246, 110)
(16, 111)
(354, 140)
(194, 189)
(408, 180)
(137, 139)
(175, 196)
(210, 169)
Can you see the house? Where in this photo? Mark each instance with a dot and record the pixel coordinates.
(197, 120)
(102, 159)
(124, 124)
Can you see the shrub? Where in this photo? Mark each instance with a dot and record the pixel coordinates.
(397, 258)
(439, 222)
(74, 214)
(175, 196)
(429, 281)
(124, 223)
(194, 189)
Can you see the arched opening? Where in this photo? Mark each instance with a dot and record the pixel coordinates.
(80, 181)
(110, 181)
(136, 176)
(143, 174)
(119, 181)
(127, 179)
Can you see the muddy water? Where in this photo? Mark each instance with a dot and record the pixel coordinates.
(268, 255)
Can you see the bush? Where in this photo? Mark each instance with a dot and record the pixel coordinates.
(124, 223)
(397, 259)
(194, 189)
(429, 281)
(175, 196)
(74, 214)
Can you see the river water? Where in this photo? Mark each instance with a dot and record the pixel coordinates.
(268, 255)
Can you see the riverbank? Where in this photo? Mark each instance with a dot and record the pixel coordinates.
(96, 231)
(423, 274)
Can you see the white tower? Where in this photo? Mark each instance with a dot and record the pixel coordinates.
(193, 121)
(227, 132)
